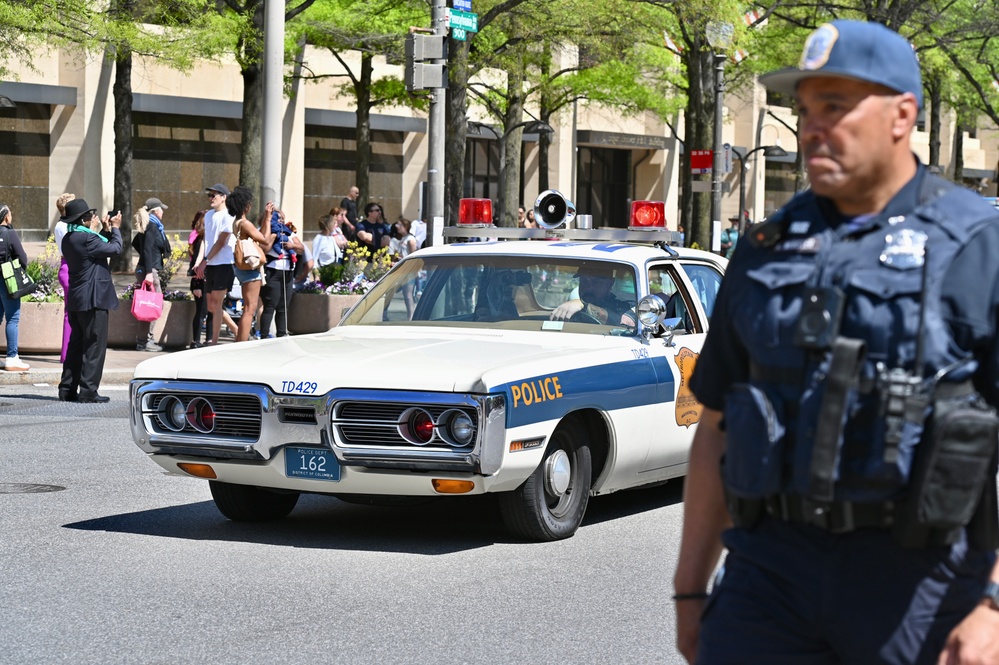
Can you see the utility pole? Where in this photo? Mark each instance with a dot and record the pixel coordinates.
(435, 161)
(271, 153)
(426, 69)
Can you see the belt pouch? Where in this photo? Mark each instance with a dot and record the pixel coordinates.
(754, 451)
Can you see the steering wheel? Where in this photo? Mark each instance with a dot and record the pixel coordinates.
(582, 316)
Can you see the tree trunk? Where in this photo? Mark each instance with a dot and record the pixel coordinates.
(253, 102)
(122, 90)
(511, 145)
(958, 152)
(456, 128)
(936, 109)
(122, 183)
(362, 175)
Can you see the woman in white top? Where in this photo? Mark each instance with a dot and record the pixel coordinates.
(404, 243)
(328, 246)
(60, 231)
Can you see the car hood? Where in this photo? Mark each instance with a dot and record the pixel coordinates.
(392, 357)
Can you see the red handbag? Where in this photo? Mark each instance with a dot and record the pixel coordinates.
(147, 305)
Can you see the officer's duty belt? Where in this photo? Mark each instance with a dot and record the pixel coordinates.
(832, 516)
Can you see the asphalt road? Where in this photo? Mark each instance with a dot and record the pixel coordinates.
(128, 565)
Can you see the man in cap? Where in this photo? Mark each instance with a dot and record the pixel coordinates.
(155, 248)
(860, 526)
(216, 268)
(596, 302)
(88, 245)
(730, 236)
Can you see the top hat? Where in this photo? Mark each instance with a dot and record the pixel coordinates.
(76, 209)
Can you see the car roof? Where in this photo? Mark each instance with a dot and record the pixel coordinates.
(637, 254)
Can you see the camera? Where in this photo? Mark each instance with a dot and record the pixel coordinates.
(818, 323)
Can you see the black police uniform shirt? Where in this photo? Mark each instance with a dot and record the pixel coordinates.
(752, 327)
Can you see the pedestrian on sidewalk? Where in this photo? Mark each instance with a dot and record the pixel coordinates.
(250, 281)
(155, 247)
(11, 248)
(60, 233)
(88, 245)
(216, 267)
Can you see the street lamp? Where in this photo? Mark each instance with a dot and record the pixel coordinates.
(719, 36)
(768, 151)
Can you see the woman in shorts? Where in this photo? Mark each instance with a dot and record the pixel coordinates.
(238, 204)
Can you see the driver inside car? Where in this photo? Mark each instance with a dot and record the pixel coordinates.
(596, 301)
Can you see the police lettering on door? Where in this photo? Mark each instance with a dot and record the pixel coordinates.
(535, 391)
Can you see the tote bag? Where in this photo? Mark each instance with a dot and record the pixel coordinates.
(16, 281)
(147, 305)
(246, 254)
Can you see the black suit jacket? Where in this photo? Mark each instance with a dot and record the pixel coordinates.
(90, 285)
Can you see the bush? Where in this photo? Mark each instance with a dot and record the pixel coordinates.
(44, 271)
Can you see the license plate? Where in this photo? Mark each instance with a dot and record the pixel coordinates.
(313, 463)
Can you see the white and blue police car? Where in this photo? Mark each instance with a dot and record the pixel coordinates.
(543, 371)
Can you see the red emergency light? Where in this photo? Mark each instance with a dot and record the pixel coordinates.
(647, 215)
(475, 212)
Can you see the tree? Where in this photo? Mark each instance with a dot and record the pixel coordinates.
(373, 29)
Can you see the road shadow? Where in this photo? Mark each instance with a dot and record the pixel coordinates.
(431, 527)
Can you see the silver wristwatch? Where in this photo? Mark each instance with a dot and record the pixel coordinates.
(992, 592)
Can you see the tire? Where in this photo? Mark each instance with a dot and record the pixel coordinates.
(245, 503)
(551, 503)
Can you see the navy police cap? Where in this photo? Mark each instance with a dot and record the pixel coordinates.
(857, 50)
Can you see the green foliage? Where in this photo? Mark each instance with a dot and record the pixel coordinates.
(330, 273)
(177, 260)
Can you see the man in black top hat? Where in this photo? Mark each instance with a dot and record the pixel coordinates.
(87, 246)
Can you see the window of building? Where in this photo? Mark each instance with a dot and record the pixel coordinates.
(24, 161)
(482, 167)
(603, 182)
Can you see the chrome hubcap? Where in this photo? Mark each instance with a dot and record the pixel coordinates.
(558, 473)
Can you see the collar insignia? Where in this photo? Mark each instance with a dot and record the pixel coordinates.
(904, 249)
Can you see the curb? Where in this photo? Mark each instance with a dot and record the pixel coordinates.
(112, 376)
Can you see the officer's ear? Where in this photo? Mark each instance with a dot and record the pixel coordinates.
(906, 112)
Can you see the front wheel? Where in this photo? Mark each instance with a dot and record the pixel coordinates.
(551, 503)
(245, 503)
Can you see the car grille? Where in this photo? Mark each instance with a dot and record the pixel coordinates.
(236, 416)
(362, 423)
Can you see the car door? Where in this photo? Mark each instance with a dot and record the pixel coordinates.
(690, 288)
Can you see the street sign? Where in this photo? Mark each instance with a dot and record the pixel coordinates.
(701, 161)
(464, 20)
(463, 5)
(459, 33)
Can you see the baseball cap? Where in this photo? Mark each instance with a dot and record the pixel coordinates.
(856, 50)
(220, 188)
(155, 203)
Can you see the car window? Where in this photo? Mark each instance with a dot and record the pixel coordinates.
(662, 280)
(504, 292)
(706, 280)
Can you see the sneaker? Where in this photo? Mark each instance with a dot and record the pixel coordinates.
(149, 346)
(15, 364)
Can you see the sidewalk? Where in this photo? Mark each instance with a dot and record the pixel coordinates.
(46, 368)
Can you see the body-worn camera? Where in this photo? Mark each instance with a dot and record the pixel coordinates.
(818, 323)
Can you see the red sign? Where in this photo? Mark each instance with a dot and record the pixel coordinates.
(701, 161)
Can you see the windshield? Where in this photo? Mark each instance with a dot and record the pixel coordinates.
(505, 293)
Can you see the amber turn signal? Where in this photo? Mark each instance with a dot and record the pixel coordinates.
(198, 470)
(452, 486)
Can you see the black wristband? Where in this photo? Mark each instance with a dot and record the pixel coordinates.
(700, 595)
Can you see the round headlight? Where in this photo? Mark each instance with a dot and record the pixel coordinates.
(416, 426)
(201, 415)
(458, 429)
(173, 413)
(651, 310)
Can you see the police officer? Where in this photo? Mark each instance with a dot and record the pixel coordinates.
(846, 380)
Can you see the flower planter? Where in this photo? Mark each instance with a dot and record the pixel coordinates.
(39, 330)
(317, 312)
(173, 330)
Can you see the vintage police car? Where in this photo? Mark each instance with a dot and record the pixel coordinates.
(451, 377)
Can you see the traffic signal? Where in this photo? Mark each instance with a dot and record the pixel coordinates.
(422, 75)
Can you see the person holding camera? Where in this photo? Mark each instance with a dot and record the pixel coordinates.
(846, 453)
(90, 242)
